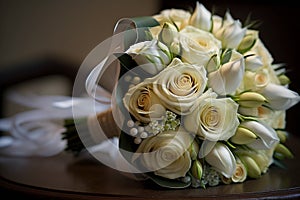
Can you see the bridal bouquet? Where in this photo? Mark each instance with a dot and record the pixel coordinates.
(202, 102)
(194, 99)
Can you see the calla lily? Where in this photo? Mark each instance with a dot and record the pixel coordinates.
(267, 137)
(280, 97)
(228, 77)
(201, 18)
(222, 160)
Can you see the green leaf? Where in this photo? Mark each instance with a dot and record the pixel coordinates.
(145, 21)
(168, 183)
(279, 164)
(138, 30)
(126, 61)
(226, 56)
(252, 24)
(126, 144)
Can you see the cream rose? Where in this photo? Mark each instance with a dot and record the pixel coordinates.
(166, 154)
(143, 103)
(260, 50)
(255, 80)
(180, 85)
(198, 46)
(213, 119)
(178, 16)
(240, 173)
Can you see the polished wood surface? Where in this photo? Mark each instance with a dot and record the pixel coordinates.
(67, 177)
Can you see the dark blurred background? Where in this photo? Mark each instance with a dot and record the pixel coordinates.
(52, 37)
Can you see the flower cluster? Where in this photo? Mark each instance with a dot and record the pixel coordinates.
(208, 106)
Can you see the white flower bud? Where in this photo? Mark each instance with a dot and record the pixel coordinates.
(253, 169)
(168, 33)
(222, 160)
(201, 18)
(231, 33)
(280, 97)
(251, 99)
(197, 169)
(247, 42)
(152, 56)
(253, 62)
(228, 77)
(267, 137)
(243, 136)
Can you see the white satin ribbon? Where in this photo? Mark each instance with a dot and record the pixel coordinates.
(38, 132)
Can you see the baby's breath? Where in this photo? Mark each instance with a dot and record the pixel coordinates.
(167, 122)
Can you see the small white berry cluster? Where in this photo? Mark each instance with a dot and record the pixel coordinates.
(167, 122)
(132, 80)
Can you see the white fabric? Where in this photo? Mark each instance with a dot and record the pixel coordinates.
(38, 132)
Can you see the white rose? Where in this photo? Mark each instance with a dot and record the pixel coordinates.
(143, 103)
(201, 18)
(240, 173)
(151, 56)
(213, 119)
(166, 154)
(180, 85)
(222, 160)
(256, 80)
(198, 46)
(260, 50)
(275, 119)
(178, 16)
(229, 76)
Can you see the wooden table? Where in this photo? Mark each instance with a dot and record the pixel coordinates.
(67, 177)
